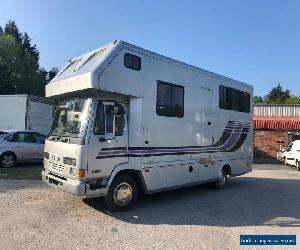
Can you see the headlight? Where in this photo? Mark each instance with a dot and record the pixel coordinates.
(70, 161)
(46, 155)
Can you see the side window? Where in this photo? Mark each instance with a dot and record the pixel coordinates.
(109, 118)
(132, 62)
(119, 120)
(99, 126)
(39, 138)
(246, 102)
(28, 138)
(233, 99)
(18, 137)
(21, 137)
(236, 100)
(225, 98)
(170, 100)
(9, 138)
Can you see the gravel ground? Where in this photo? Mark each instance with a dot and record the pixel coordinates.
(266, 201)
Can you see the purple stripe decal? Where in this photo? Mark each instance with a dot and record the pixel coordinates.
(235, 135)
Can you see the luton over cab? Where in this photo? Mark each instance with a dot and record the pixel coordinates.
(130, 122)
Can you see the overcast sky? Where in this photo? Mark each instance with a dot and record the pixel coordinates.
(257, 42)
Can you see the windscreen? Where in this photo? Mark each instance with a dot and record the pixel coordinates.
(71, 118)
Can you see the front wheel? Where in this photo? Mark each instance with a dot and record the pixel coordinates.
(122, 193)
(298, 165)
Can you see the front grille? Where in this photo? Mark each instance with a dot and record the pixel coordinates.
(57, 176)
(56, 167)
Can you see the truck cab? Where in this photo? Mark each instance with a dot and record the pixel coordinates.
(85, 130)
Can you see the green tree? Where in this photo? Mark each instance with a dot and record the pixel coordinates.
(258, 100)
(277, 95)
(9, 54)
(52, 73)
(293, 100)
(12, 29)
(19, 64)
(27, 48)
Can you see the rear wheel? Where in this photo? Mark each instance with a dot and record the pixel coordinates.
(122, 193)
(298, 166)
(7, 160)
(222, 181)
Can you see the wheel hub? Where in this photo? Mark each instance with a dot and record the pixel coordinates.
(7, 161)
(123, 194)
(223, 178)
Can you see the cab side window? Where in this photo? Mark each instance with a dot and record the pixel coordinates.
(119, 120)
(99, 127)
(109, 118)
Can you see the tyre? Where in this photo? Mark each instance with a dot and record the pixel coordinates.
(122, 193)
(298, 166)
(222, 181)
(7, 160)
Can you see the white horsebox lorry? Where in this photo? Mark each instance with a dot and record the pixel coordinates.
(131, 121)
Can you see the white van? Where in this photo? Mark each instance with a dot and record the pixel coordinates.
(131, 121)
(291, 154)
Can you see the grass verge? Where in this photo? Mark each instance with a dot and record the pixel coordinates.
(21, 172)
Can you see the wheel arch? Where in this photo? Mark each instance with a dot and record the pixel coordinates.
(136, 174)
(10, 152)
(226, 166)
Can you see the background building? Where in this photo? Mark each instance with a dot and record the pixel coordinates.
(274, 126)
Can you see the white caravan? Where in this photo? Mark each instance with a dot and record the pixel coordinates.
(131, 121)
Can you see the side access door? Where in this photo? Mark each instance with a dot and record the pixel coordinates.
(108, 144)
(204, 162)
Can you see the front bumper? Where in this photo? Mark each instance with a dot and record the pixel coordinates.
(75, 187)
(70, 186)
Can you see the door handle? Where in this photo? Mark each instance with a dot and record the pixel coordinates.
(18, 146)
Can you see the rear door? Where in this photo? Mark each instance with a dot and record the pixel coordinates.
(39, 143)
(22, 144)
(108, 144)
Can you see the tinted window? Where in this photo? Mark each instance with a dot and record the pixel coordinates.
(236, 100)
(99, 127)
(39, 138)
(119, 120)
(170, 100)
(233, 99)
(132, 61)
(21, 137)
(109, 118)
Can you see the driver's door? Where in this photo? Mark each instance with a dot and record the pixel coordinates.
(108, 144)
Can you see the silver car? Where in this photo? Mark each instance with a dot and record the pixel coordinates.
(19, 146)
